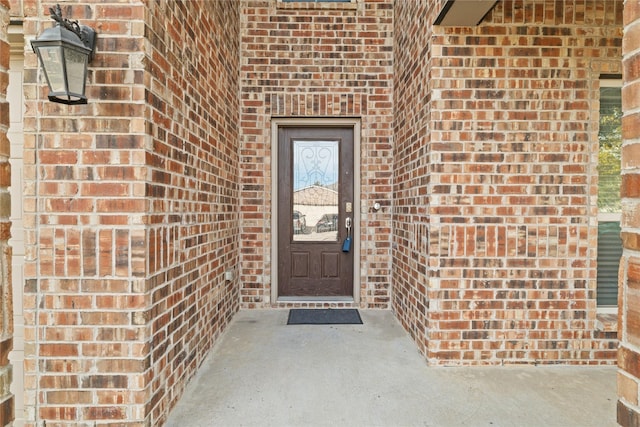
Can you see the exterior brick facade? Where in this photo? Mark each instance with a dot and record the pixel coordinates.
(479, 142)
(329, 60)
(131, 203)
(6, 295)
(628, 300)
(496, 240)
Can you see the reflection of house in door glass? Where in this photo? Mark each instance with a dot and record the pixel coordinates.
(315, 194)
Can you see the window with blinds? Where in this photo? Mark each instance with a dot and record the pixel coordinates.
(609, 204)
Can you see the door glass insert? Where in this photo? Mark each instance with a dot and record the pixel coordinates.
(315, 190)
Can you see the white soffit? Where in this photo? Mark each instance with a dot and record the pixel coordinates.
(464, 13)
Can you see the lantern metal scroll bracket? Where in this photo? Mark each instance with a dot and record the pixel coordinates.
(86, 34)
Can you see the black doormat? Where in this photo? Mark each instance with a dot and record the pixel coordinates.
(324, 316)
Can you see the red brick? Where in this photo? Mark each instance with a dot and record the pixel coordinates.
(4, 114)
(58, 350)
(5, 347)
(105, 189)
(632, 311)
(63, 413)
(62, 397)
(633, 273)
(630, 240)
(626, 416)
(58, 157)
(631, 68)
(119, 13)
(5, 53)
(631, 14)
(104, 413)
(631, 152)
(630, 185)
(7, 413)
(628, 389)
(631, 122)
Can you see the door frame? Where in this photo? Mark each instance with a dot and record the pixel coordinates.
(276, 123)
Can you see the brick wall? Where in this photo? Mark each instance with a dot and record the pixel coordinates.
(131, 212)
(503, 219)
(629, 297)
(412, 168)
(192, 190)
(6, 306)
(315, 60)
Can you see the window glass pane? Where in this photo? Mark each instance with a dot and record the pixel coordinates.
(75, 70)
(610, 139)
(51, 58)
(315, 190)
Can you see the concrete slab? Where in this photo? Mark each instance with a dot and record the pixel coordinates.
(265, 373)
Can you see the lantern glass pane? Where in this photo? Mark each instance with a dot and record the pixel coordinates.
(51, 57)
(76, 65)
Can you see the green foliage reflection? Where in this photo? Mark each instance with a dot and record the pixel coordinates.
(610, 139)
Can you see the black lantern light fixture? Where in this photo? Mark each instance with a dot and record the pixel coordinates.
(65, 51)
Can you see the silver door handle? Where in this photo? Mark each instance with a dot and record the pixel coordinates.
(346, 245)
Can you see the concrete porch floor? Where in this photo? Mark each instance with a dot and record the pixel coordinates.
(265, 373)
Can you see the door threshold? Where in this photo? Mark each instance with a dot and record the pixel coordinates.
(315, 299)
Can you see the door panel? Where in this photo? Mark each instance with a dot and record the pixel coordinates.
(330, 264)
(315, 197)
(300, 264)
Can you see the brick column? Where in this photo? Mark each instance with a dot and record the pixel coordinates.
(130, 212)
(6, 309)
(629, 299)
(85, 296)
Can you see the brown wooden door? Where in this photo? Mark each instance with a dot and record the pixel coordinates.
(315, 200)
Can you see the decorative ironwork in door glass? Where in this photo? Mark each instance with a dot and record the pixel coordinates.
(315, 190)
